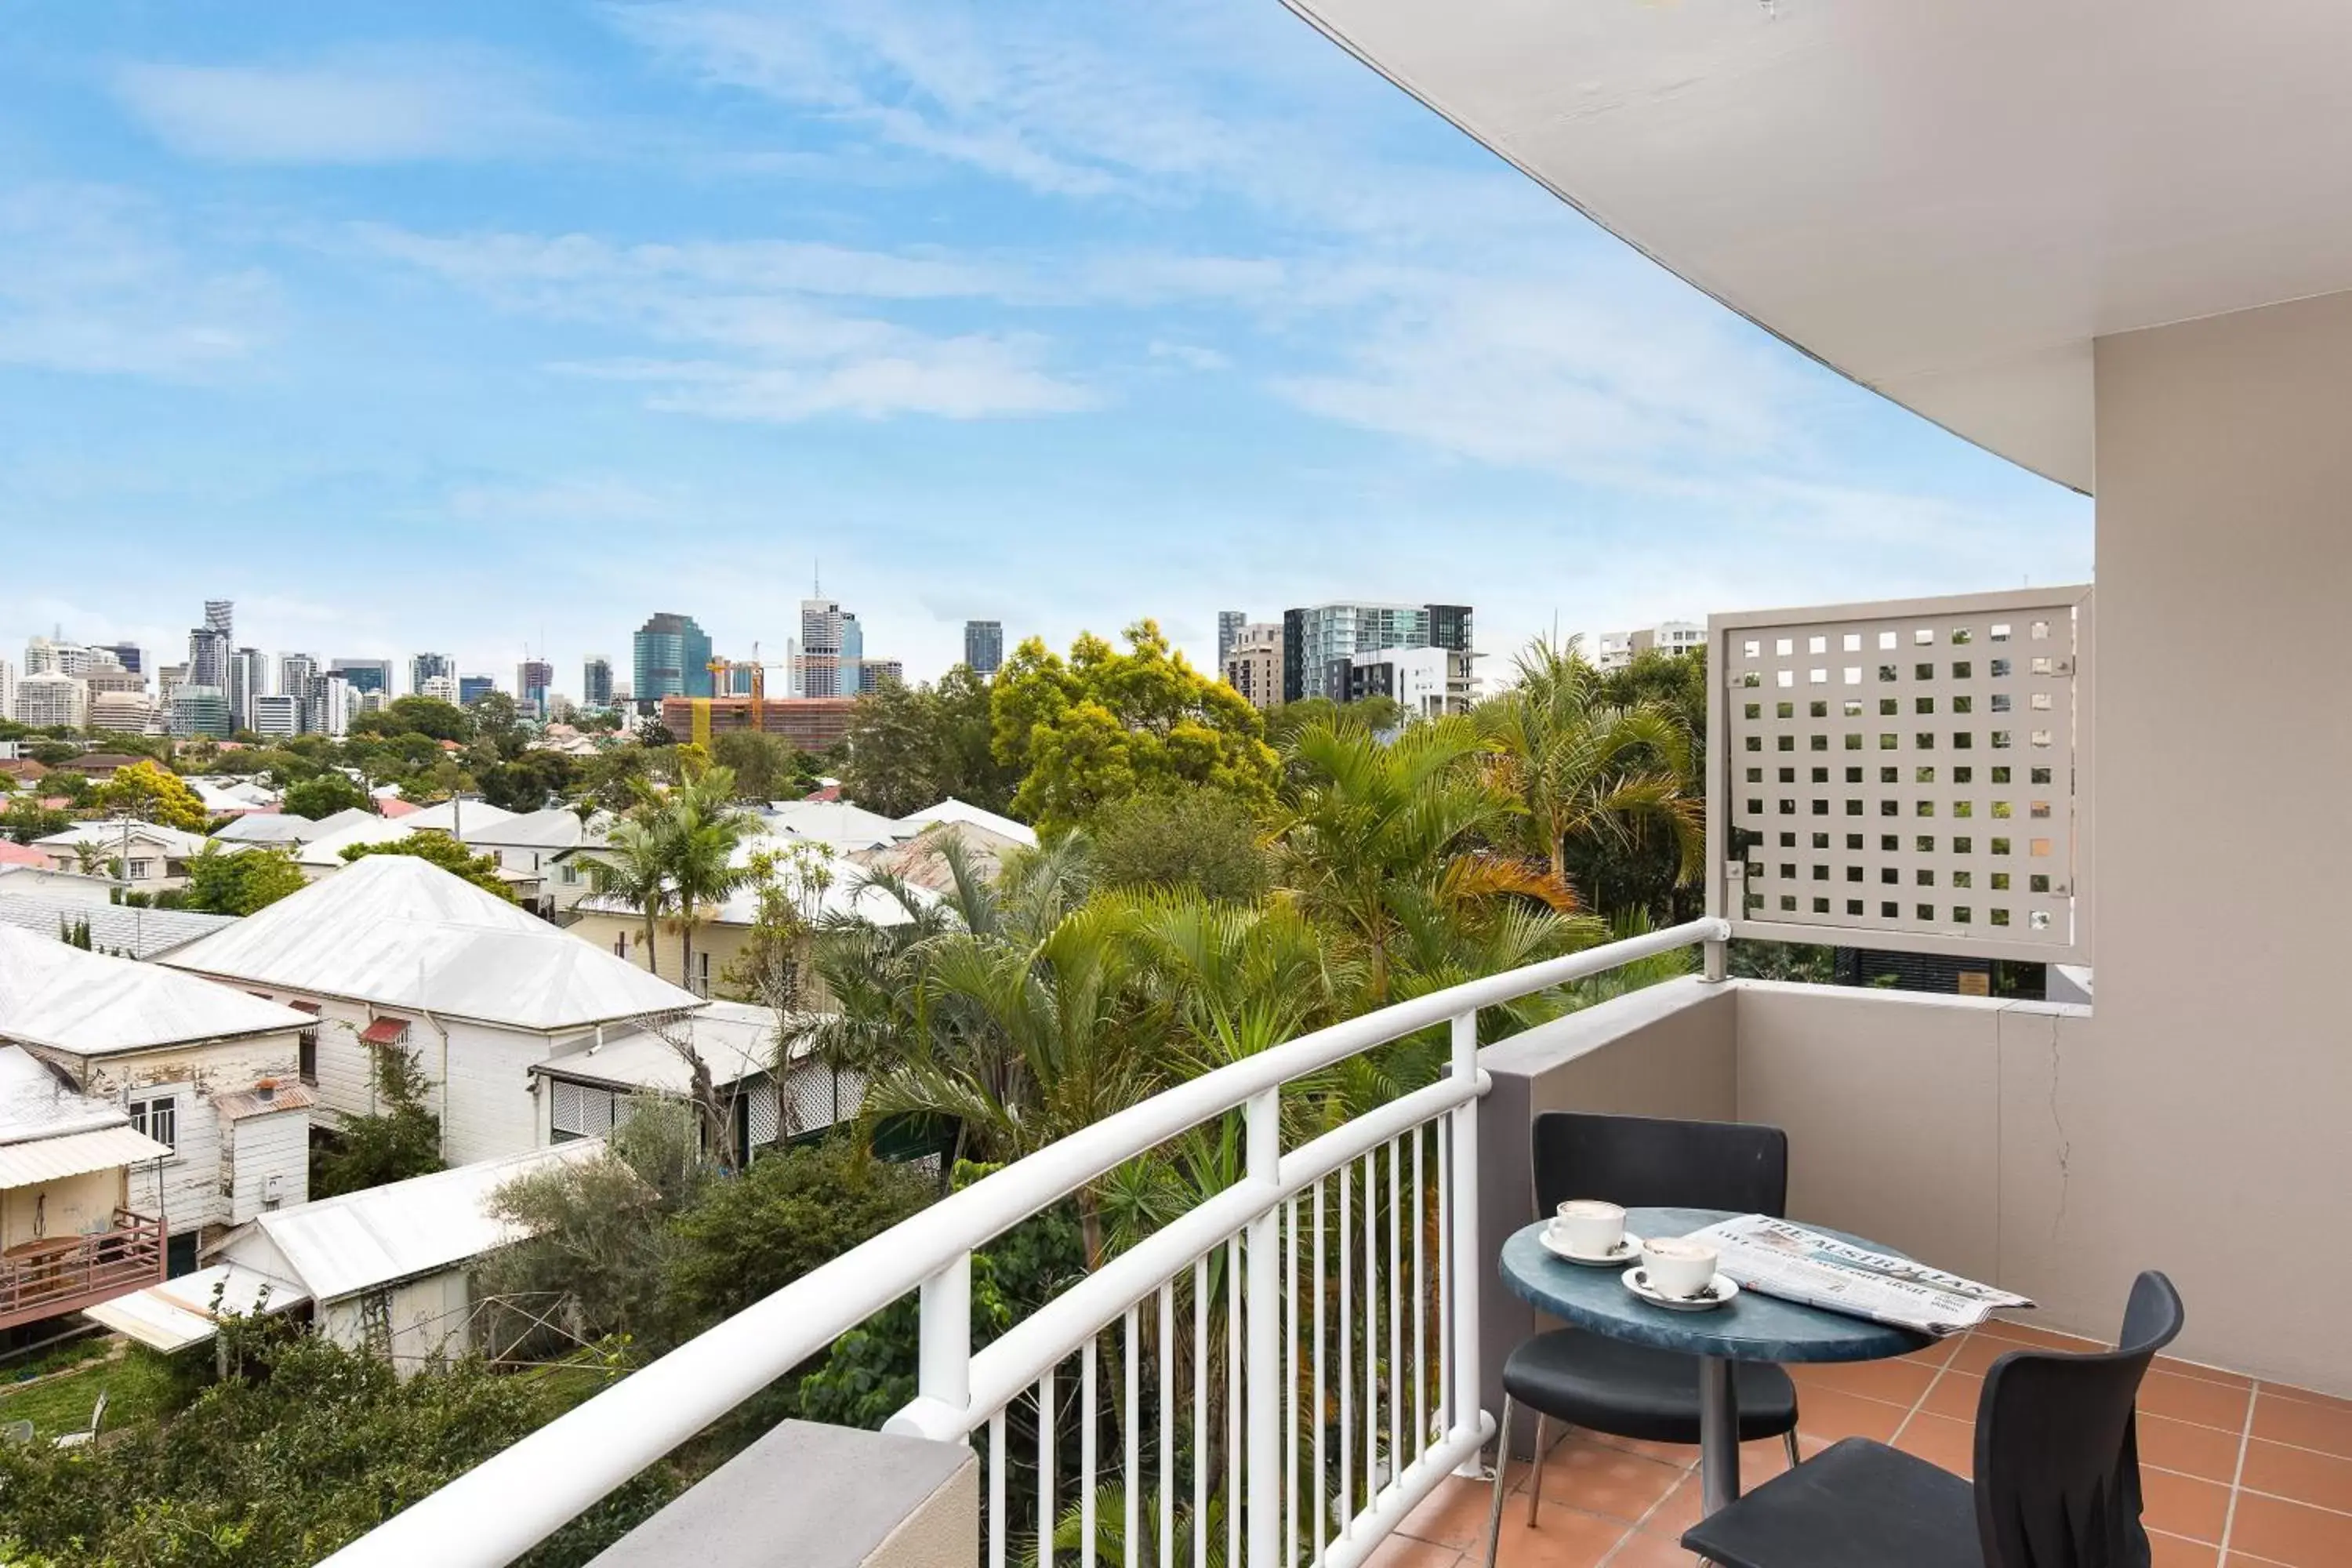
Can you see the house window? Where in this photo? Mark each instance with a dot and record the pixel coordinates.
(569, 875)
(159, 1118)
(306, 1055)
(621, 945)
(578, 1111)
(139, 870)
(701, 982)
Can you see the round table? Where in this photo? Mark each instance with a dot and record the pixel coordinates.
(1752, 1326)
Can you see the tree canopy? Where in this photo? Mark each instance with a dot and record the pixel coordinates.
(445, 852)
(1105, 725)
(152, 793)
(325, 794)
(912, 746)
(241, 881)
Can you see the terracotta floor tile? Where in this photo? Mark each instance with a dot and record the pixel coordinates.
(1681, 1508)
(2187, 1399)
(2306, 1396)
(2302, 1423)
(1453, 1515)
(1403, 1552)
(1937, 1353)
(2041, 1338)
(1940, 1440)
(2178, 1552)
(1956, 1394)
(1643, 1550)
(1682, 1456)
(1563, 1538)
(1980, 1352)
(2299, 1475)
(2205, 1452)
(2183, 1505)
(1829, 1414)
(1596, 1478)
(2291, 1533)
(1898, 1382)
(2208, 1373)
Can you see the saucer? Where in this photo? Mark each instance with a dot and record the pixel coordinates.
(1629, 1250)
(1724, 1287)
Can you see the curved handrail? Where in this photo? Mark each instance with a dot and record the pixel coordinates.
(516, 1498)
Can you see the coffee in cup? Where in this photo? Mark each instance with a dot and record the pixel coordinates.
(1678, 1266)
(1591, 1228)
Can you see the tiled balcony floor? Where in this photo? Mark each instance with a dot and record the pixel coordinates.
(2234, 1473)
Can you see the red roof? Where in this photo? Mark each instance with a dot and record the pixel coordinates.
(383, 1031)
(15, 854)
(393, 805)
(829, 792)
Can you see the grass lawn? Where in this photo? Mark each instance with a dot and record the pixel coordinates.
(137, 1386)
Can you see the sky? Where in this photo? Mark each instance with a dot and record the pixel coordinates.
(486, 329)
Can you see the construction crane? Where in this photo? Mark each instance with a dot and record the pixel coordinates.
(720, 670)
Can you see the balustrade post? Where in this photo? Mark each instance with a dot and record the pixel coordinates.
(943, 1367)
(1468, 1264)
(1262, 1451)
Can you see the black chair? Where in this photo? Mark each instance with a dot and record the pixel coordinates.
(1581, 1379)
(2057, 1468)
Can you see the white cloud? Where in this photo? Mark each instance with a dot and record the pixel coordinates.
(952, 378)
(381, 105)
(90, 281)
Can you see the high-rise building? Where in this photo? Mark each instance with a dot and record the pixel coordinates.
(197, 709)
(1319, 642)
(1229, 623)
(1253, 663)
(1616, 650)
(332, 703)
(424, 667)
(596, 682)
(872, 674)
(365, 675)
(670, 657)
(983, 646)
(817, 671)
(248, 680)
(129, 654)
(111, 676)
(1425, 681)
(442, 688)
(47, 655)
(209, 646)
(472, 688)
(275, 714)
(295, 673)
(7, 689)
(125, 712)
(533, 678)
(168, 680)
(53, 698)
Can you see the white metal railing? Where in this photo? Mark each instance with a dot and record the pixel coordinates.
(1324, 1197)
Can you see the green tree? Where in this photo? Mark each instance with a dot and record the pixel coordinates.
(497, 725)
(1201, 839)
(699, 828)
(399, 1140)
(528, 782)
(418, 716)
(766, 767)
(152, 793)
(612, 779)
(633, 867)
(1105, 725)
(653, 734)
(1585, 771)
(28, 819)
(241, 881)
(913, 746)
(445, 852)
(324, 794)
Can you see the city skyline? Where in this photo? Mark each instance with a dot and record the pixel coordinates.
(1055, 318)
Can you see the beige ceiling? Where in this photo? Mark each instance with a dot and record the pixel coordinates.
(1946, 200)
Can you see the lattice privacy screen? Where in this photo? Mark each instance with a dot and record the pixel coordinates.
(1903, 774)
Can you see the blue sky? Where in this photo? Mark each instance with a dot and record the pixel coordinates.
(473, 327)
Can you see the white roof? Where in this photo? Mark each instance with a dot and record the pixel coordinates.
(557, 828)
(401, 933)
(231, 795)
(472, 814)
(41, 1160)
(124, 930)
(954, 810)
(328, 850)
(107, 835)
(736, 1040)
(833, 822)
(55, 994)
(266, 827)
(849, 889)
(37, 1104)
(179, 1312)
(336, 1247)
(1947, 203)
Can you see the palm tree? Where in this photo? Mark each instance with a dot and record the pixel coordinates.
(700, 829)
(633, 868)
(1581, 768)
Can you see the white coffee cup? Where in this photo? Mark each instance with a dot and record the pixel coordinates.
(1591, 1226)
(1678, 1266)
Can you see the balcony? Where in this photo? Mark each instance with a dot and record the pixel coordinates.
(65, 1273)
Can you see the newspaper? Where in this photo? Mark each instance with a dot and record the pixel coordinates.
(1800, 1265)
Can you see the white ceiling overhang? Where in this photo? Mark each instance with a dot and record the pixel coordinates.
(1946, 200)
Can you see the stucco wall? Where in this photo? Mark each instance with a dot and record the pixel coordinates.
(70, 1205)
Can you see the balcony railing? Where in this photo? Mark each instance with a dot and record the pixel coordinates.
(60, 1274)
(1340, 1279)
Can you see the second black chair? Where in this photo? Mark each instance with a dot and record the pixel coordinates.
(1580, 1379)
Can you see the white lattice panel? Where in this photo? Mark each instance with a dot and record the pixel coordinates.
(1903, 774)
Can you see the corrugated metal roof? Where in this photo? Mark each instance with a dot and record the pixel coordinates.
(447, 817)
(109, 834)
(121, 929)
(339, 1246)
(267, 827)
(35, 1101)
(833, 822)
(179, 1312)
(75, 1154)
(557, 828)
(252, 1102)
(736, 1040)
(849, 892)
(55, 994)
(326, 849)
(954, 810)
(401, 932)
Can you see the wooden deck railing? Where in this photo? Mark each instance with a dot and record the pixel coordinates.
(59, 1274)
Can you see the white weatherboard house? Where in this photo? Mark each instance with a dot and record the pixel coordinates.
(395, 952)
(386, 1269)
(66, 1237)
(205, 1070)
(153, 856)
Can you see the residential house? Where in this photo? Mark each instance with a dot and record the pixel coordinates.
(836, 823)
(395, 952)
(152, 857)
(68, 1237)
(461, 818)
(126, 931)
(266, 827)
(387, 1270)
(954, 810)
(323, 856)
(25, 870)
(724, 929)
(531, 849)
(205, 1070)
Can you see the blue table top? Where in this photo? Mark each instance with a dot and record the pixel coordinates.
(1753, 1327)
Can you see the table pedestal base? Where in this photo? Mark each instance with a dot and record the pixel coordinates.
(1719, 1434)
